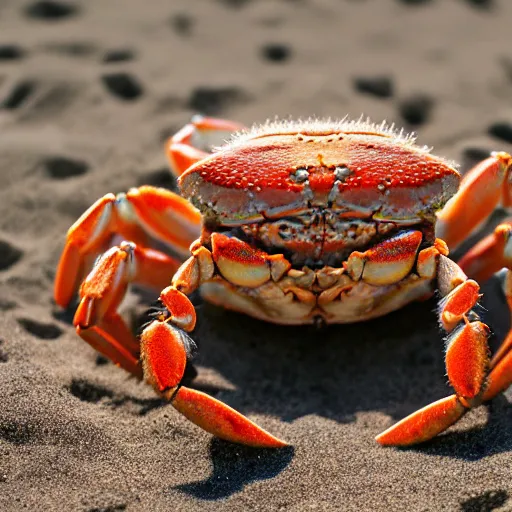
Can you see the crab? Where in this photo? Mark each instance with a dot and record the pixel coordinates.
(307, 222)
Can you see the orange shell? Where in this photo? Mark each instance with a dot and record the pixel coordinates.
(352, 166)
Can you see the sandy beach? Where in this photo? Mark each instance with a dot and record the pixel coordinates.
(89, 92)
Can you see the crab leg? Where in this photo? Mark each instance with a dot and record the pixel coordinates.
(96, 318)
(485, 259)
(165, 347)
(490, 254)
(467, 361)
(193, 142)
(500, 377)
(141, 215)
(481, 190)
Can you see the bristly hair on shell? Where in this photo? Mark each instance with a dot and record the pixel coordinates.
(313, 125)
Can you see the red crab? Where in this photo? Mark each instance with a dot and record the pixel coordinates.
(295, 223)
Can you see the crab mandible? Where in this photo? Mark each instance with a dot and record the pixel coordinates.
(296, 223)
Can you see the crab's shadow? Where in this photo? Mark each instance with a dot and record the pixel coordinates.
(234, 467)
(392, 365)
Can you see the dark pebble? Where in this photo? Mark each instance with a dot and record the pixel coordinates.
(10, 52)
(414, 2)
(48, 10)
(159, 178)
(89, 392)
(501, 130)
(480, 4)
(379, 86)
(3, 356)
(276, 52)
(18, 95)
(211, 101)
(6, 305)
(101, 360)
(182, 24)
(475, 154)
(39, 329)
(9, 255)
(234, 3)
(416, 109)
(74, 49)
(122, 85)
(60, 168)
(120, 55)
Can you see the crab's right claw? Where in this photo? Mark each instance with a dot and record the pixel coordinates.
(164, 350)
(424, 424)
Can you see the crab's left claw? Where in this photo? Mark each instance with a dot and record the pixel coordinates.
(164, 350)
(467, 361)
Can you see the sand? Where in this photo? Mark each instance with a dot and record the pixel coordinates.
(88, 92)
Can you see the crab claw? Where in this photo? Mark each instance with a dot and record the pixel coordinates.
(424, 424)
(164, 351)
(222, 421)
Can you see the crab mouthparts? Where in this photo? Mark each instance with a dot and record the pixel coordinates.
(320, 236)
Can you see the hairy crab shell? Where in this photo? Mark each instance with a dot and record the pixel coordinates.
(354, 167)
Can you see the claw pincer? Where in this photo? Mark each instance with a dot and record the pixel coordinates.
(164, 351)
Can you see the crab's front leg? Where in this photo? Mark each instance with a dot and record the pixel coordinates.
(467, 362)
(142, 215)
(482, 189)
(165, 344)
(97, 320)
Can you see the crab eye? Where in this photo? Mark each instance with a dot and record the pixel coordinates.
(284, 230)
(342, 173)
(300, 175)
